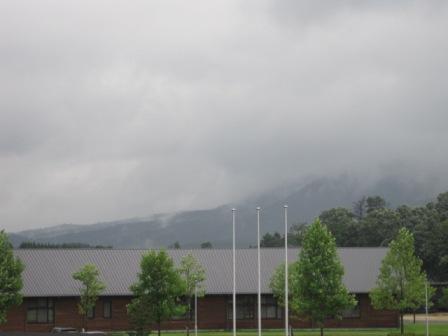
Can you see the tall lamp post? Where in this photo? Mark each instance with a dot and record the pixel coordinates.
(234, 274)
(285, 207)
(426, 308)
(259, 271)
(195, 310)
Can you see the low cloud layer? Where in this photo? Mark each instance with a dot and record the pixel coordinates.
(115, 109)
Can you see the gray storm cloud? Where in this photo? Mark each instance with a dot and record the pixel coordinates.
(114, 109)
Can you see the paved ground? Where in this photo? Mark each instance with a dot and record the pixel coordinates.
(435, 317)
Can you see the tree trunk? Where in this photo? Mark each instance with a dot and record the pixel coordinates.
(321, 331)
(414, 317)
(401, 323)
(188, 316)
(158, 328)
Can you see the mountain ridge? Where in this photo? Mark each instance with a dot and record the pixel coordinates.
(192, 227)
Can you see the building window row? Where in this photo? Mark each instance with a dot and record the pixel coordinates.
(270, 309)
(107, 310)
(42, 310)
(246, 308)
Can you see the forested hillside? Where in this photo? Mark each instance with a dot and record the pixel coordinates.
(369, 222)
(191, 228)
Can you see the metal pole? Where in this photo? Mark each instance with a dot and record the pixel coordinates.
(234, 275)
(259, 271)
(426, 308)
(285, 207)
(195, 311)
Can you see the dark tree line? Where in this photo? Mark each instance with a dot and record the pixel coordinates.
(371, 223)
(37, 245)
(203, 245)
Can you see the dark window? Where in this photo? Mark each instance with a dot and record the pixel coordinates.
(354, 312)
(91, 313)
(269, 308)
(245, 307)
(40, 311)
(107, 309)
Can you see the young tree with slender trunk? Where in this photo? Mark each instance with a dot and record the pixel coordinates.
(139, 316)
(193, 275)
(91, 288)
(316, 284)
(401, 282)
(277, 285)
(157, 292)
(11, 270)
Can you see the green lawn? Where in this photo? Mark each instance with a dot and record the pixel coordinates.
(436, 329)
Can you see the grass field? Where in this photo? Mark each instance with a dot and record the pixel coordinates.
(436, 329)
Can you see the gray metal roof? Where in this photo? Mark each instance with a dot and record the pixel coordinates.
(49, 272)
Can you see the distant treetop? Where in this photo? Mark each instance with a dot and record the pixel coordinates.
(206, 245)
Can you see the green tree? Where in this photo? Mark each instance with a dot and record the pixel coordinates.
(206, 245)
(359, 208)
(296, 234)
(277, 283)
(139, 316)
(342, 225)
(401, 282)
(272, 240)
(442, 206)
(434, 250)
(193, 275)
(318, 291)
(429, 236)
(379, 227)
(91, 288)
(374, 203)
(157, 292)
(11, 270)
(443, 300)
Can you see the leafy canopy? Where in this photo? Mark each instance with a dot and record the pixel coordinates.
(206, 245)
(341, 223)
(443, 300)
(157, 291)
(193, 275)
(316, 283)
(11, 270)
(371, 223)
(277, 283)
(91, 288)
(272, 240)
(401, 282)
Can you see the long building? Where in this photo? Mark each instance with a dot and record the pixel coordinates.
(51, 295)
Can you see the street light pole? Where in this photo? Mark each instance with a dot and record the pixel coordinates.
(195, 311)
(259, 271)
(234, 274)
(426, 308)
(285, 207)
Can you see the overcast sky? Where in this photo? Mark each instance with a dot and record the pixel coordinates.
(115, 109)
